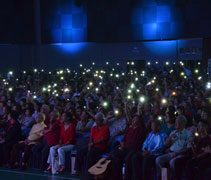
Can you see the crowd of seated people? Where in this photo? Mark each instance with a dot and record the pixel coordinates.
(50, 138)
(27, 144)
(150, 120)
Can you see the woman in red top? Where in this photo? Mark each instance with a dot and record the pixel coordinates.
(51, 138)
(66, 142)
(131, 143)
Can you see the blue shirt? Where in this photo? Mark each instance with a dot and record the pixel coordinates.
(167, 130)
(154, 143)
(181, 141)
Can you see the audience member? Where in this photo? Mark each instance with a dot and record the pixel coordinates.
(51, 138)
(169, 125)
(98, 144)
(152, 147)
(155, 93)
(130, 144)
(34, 138)
(66, 143)
(179, 144)
(10, 136)
(201, 158)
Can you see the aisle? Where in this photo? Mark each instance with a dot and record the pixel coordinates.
(7, 174)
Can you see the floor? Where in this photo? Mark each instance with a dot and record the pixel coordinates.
(7, 174)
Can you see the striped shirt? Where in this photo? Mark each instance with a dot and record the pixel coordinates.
(154, 143)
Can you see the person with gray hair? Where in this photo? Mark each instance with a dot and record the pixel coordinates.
(35, 136)
(178, 144)
(117, 124)
(98, 144)
(99, 116)
(45, 110)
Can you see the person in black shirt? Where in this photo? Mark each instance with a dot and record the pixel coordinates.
(201, 158)
(11, 136)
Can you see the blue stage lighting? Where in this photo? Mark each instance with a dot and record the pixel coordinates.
(161, 48)
(69, 26)
(70, 48)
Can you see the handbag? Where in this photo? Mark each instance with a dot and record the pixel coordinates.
(55, 165)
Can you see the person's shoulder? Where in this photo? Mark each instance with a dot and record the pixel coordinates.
(173, 132)
(62, 126)
(35, 125)
(72, 126)
(105, 126)
(17, 123)
(150, 133)
(43, 125)
(79, 123)
(57, 123)
(123, 119)
(164, 124)
(163, 134)
(94, 127)
(90, 121)
(188, 133)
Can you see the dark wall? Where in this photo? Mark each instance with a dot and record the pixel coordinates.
(16, 21)
(129, 20)
(124, 20)
(67, 21)
(63, 21)
(54, 56)
(110, 20)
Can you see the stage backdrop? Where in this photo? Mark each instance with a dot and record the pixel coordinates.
(65, 21)
(60, 55)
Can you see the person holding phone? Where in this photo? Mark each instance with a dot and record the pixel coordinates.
(152, 147)
(178, 145)
(98, 144)
(131, 143)
(10, 136)
(201, 158)
(34, 137)
(67, 143)
(117, 124)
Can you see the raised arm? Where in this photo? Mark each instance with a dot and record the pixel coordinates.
(127, 115)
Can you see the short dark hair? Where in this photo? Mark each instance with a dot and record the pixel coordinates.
(181, 108)
(204, 122)
(31, 111)
(13, 115)
(171, 109)
(172, 116)
(69, 116)
(157, 123)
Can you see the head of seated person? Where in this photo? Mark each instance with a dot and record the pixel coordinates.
(180, 123)
(12, 117)
(202, 128)
(137, 121)
(29, 112)
(40, 118)
(99, 119)
(156, 126)
(67, 118)
(45, 109)
(54, 115)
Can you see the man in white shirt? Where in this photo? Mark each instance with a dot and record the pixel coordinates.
(178, 143)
